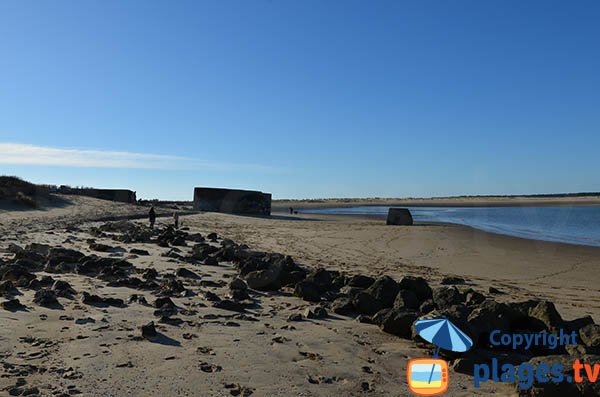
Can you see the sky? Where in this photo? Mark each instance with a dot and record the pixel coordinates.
(303, 99)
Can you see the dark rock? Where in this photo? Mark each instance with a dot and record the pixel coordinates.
(380, 316)
(212, 236)
(45, 297)
(57, 255)
(17, 274)
(95, 300)
(7, 288)
(211, 296)
(238, 284)
(63, 288)
(148, 330)
(135, 298)
(308, 291)
(384, 289)
(202, 251)
(12, 305)
(171, 287)
(211, 261)
(150, 274)
(342, 305)
(427, 306)
(452, 280)
(139, 252)
(316, 313)
(474, 298)
(239, 295)
(101, 247)
(537, 315)
(361, 281)
(590, 335)
(365, 303)
(546, 312)
(406, 300)
(165, 301)
(230, 305)
(577, 324)
(494, 291)
(322, 279)
(490, 316)
(362, 318)
(399, 323)
(171, 321)
(183, 272)
(399, 216)
(296, 317)
(418, 285)
(46, 281)
(447, 296)
(34, 284)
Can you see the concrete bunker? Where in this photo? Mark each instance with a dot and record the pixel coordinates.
(232, 201)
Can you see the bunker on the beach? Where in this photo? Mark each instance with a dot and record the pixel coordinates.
(120, 195)
(399, 216)
(232, 201)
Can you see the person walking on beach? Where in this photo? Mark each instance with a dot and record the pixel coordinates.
(152, 217)
(176, 219)
(291, 210)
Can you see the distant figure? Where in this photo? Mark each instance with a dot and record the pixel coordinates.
(176, 219)
(291, 210)
(152, 217)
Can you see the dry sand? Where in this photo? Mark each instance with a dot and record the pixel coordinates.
(94, 350)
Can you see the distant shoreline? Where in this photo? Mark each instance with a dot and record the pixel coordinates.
(442, 202)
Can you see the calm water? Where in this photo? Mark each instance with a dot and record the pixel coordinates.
(567, 224)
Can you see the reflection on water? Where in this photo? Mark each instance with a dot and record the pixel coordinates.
(567, 224)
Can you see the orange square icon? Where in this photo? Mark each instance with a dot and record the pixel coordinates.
(427, 376)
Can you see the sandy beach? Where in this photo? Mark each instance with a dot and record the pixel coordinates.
(211, 341)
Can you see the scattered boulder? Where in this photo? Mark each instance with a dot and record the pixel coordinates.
(227, 304)
(308, 291)
(418, 285)
(139, 252)
(12, 305)
(399, 216)
(183, 272)
(315, 313)
(365, 303)
(398, 323)
(238, 284)
(361, 281)
(45, 297)
(384, 289)
(406, 300)
(149, 331)
(427, 306)
(63, 288)
(322, 279)
(95, 300)
(101, 247)
(342, 305)
(447, 296)
(452, 280)
(590, 335)
(7, 288)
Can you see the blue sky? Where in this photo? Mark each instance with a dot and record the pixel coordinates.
(303, 98)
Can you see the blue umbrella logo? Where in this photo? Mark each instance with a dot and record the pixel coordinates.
(445, 335)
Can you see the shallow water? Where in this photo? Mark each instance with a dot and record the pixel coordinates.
(565, 224)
